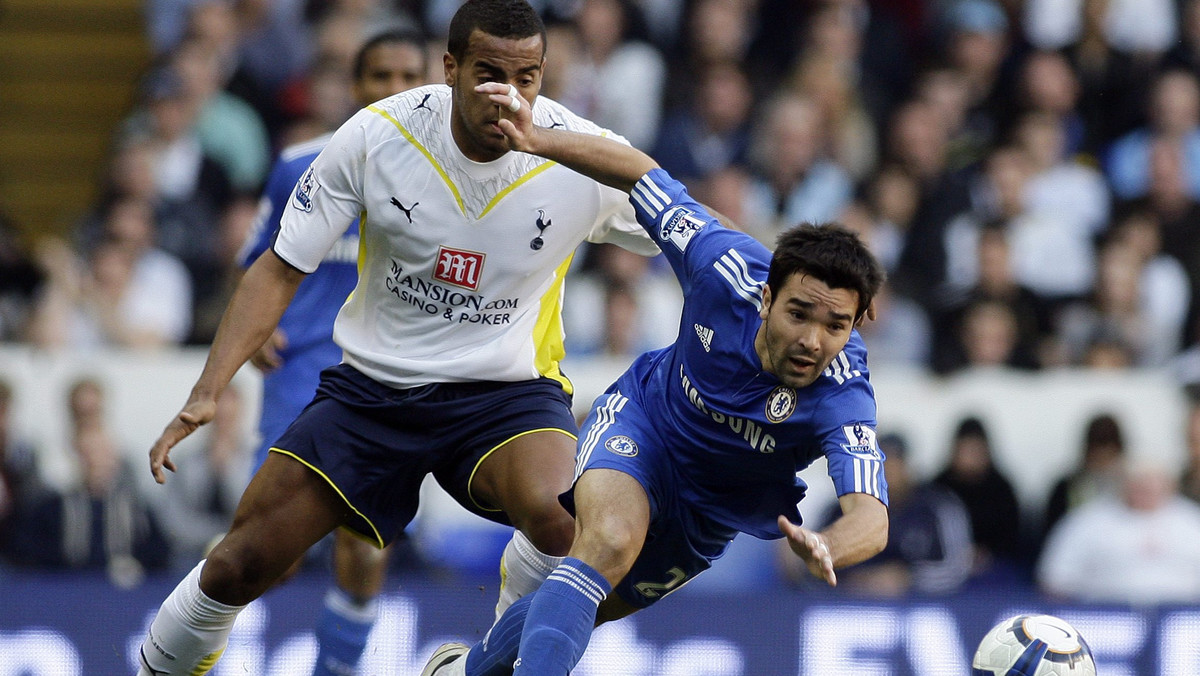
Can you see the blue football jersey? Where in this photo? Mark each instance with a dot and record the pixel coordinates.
(308, 320)
(737, 435)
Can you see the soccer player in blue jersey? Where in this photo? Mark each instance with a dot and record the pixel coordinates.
(302, 344)
(702, 440)
(451, 340)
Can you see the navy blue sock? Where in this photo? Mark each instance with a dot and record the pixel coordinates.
(342, 631)
(495, 654)
(561, 617)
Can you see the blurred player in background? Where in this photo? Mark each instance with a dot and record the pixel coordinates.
(451, 339)
(302, 344)
(703, 439)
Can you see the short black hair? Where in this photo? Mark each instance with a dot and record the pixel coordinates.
(508, 19)
(830, 253)
(396, 36)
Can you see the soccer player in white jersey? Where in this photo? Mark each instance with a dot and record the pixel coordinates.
(702, 440)
(451, 339)
(302, 344)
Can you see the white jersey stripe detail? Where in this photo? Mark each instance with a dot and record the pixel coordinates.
(739, 278)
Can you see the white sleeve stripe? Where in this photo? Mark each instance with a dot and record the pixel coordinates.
(656, 190)
(637, 197)
(645, 189)
(867, 474)
(733, 268)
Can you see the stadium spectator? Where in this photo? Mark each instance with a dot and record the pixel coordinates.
(229, 129)
(1052, 256)
(191, 189)
(1075, 193)
(917, 143)
(1139, 547)
(996, 521)
(664, 480)
(977, 46)
(1049, 89)
(1121, 309)
(1134, 26)
(1174, 112)
(20, 482)
(1027, 346)
(101, 521)
(794, 180)
(710, 131)
(613, 56)
(849, 130)
(1098, 473)
(107, 300)
(20, 280)
(302, 344)
(929, 548)
(470, 393)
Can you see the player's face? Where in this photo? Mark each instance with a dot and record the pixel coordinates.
(490, 59)
(389, 68)
(804, 327)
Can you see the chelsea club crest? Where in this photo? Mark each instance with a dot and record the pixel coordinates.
(622, 445)
(780, 404)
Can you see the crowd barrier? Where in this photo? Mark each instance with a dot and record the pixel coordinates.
(74, 625)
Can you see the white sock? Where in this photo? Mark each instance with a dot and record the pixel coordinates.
(189, 632)
(522, 570)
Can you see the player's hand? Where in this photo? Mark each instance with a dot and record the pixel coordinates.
(193, 415)
(810, 546)
(267, 358)
(516, 115)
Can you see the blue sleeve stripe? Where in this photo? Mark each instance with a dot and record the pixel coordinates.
(735, 271)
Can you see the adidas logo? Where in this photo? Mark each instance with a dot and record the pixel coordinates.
(706, 336)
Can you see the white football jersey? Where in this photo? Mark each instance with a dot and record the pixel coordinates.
(461, 263)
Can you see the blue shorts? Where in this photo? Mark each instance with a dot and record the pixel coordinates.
(374, 444)
(681, 542)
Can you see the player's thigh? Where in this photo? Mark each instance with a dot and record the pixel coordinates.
(526, 474)
(285, 510)
(612, 517)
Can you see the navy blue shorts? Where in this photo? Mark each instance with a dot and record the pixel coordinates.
(374, 444)
(681, 542)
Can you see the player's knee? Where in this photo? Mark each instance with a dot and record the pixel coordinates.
(235, 575)
(550, 529)
(610, 546)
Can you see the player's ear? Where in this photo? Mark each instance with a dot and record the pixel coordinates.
(450, 68)
(766, 304)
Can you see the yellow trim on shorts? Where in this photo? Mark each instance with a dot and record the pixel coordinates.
(497, 447)
(378, 540)
(424, 151)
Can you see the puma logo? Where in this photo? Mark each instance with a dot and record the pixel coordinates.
(423, 102)
(407, 211)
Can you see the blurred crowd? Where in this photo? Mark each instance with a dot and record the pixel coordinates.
(1027, 170)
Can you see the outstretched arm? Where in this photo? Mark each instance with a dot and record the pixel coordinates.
(860, 533)
(259, 301)
(600, 159)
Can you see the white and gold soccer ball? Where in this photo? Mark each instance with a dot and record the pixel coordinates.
(1033, 645)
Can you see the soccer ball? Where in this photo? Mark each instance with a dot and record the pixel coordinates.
(1033, 645)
